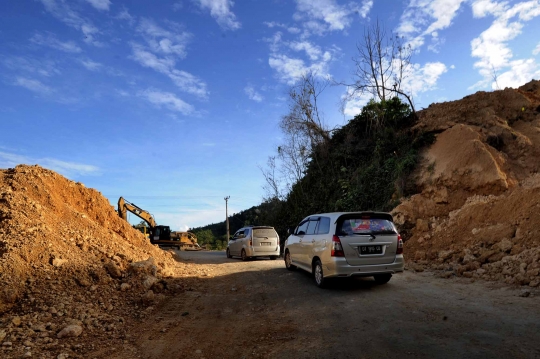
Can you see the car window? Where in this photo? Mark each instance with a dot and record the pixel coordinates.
(324, 225)
(246, 232)
(311, 227)
(238, 234)
(301, 230)
(352, 226)
(264, 232)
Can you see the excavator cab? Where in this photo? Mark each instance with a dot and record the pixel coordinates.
(160, 233)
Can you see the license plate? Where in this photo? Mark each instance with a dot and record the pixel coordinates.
(265, 243)
(370, 250)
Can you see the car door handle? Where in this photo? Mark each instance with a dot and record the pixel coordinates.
(312, 241)
(300, 240)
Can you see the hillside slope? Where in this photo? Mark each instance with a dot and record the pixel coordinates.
(477, 213)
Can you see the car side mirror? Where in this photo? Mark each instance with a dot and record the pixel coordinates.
(301, 233)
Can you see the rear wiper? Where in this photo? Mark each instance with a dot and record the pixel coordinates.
(365, 234)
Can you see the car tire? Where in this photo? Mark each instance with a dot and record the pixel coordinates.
(318, 274)
(228, 253)
(288, 261)
(243, 255)
(273, 258)
(382, 278)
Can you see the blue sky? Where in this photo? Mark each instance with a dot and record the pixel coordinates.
(175, 104)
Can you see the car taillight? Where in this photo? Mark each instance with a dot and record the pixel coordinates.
(251, 242)
(337, 249)
(399, 245)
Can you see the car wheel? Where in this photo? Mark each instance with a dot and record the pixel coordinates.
(288, 261)
(244, 256)
(382, 278)
(228, 253)
(273, 258)
(318, 274)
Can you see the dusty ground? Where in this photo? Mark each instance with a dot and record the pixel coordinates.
(258, 309)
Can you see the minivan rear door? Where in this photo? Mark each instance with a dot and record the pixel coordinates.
(265, 239)
(367, 238)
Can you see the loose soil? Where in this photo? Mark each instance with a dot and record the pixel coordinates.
(477, 213)
(258, 309)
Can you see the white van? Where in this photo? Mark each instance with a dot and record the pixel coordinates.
(254, 241)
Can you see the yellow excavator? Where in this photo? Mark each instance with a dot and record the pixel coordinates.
(159, 234)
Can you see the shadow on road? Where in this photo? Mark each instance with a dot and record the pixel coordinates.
(215, 257)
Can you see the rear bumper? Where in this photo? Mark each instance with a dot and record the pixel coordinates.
(338, 267)
(252, 252)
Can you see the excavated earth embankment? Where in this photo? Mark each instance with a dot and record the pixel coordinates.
(72, 272)
(477, 213)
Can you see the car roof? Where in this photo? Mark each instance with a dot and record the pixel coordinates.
(335, 215)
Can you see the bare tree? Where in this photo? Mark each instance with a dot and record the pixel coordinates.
(303, 129)
(382, 65)
(273, 182)
(495, 77)
(304, 117)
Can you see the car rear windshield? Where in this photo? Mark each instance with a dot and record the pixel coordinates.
(351, 226)
(264, 232)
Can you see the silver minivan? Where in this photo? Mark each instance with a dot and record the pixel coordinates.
(346, 244)
(254, 241)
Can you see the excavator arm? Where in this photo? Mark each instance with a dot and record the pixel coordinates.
(125, 206)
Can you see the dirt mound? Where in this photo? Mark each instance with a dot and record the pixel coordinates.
(478, 210)
(71, 270)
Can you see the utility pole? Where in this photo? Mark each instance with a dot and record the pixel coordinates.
(227, 216)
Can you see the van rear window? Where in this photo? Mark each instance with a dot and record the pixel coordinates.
(352, 226)
(264, 232)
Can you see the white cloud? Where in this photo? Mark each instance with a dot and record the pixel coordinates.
(482, 8)
(423, 17)
(41, 67)
(253, 94)
(536, 50)
(519, 73)
(291, 67)
(491, 47)
(167, 100)
(68, 169)
(161, 40)
(125, 15)
(33, 85)
(272, 24)
(91, 65)
(51, 41)
(177, 6)
(321, 16)
(166, 65)
(294, 30)
(221, 11)
(100, 4)
(313, 51)
(420, 79)
(364, 10)
(353, 104)
(290, 70)
(61, 10)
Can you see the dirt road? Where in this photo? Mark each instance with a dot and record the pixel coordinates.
(258, 309)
